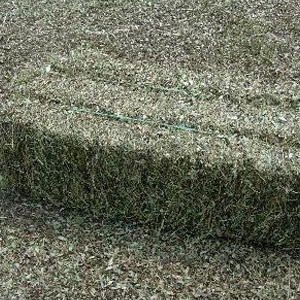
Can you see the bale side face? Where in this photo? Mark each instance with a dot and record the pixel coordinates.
(184, 193)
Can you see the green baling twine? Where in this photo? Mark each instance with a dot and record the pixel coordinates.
(122, 118)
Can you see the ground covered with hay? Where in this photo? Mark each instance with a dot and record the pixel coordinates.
(47, 253)
(181, 115)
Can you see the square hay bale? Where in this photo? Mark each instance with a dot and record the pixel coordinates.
(152, 145)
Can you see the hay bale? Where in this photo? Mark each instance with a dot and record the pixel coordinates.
(195, 181)
(179, 114)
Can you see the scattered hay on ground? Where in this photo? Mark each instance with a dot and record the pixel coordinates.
(49, 253)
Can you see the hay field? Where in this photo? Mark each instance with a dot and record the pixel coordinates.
(182, 115)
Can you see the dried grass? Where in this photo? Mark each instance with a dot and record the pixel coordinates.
(60, 254)
(93, 121)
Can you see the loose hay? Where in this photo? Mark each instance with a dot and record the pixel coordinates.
(61, 253)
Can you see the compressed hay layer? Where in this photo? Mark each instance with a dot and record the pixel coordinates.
(175, 179)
